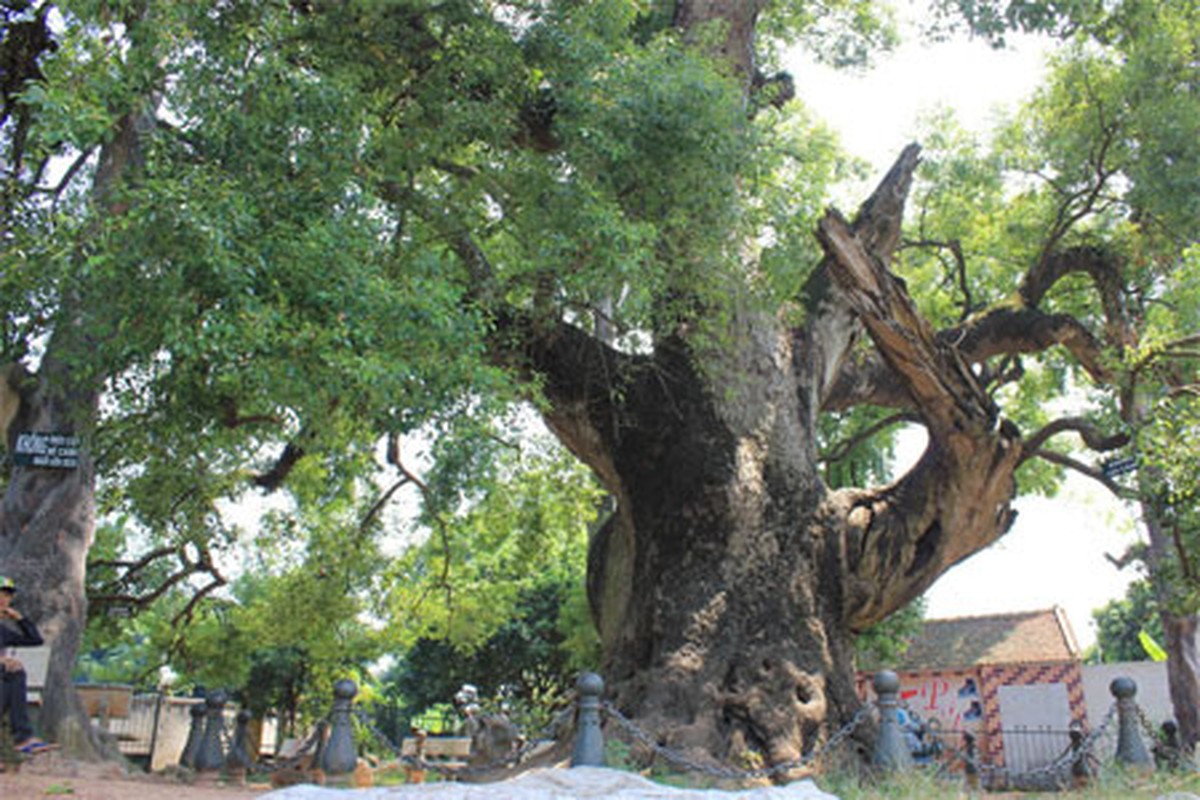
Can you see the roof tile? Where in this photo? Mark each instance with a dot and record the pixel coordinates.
(1014, 638)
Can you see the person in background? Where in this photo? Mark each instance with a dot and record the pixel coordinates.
(16, 631)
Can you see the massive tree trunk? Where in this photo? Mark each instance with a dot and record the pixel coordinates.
(729, 582)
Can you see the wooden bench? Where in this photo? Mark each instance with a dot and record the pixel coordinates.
(442, 752)
(36, 661)
(104, 702)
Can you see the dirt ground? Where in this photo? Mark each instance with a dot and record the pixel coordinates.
(51, 775)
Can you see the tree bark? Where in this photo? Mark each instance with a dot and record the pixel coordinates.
(729, 582)
(47, 520)
(1183, 667)
(1179, 630)
(47, 516)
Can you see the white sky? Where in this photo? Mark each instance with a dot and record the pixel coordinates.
(1054, 554)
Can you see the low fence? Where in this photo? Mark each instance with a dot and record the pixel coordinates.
(1034, 758)
(152, 728)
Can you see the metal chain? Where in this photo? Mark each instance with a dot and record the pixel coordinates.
(727, 772)
(1146, 724)
(1176, 756)
(724, 772)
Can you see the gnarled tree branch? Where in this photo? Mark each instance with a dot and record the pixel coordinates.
(955, 501)
(1064, 460)
(999, 331)
(1091, 435)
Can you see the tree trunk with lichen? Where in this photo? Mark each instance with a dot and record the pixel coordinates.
(47, 520)
(47, 516)
(729, 582)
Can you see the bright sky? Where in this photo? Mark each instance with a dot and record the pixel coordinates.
(1054, 555)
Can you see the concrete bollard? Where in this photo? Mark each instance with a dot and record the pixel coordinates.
(339, 757)
(239, 760)
(209, 755)
(589, 740)
(891, 753)
(1131, 751)
(195, 736)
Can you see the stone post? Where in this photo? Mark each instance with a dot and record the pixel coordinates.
(1131, 751)
(339, 757)
(891, 753)
(589, 740)
(209, 756)
(239, 760)
(195, 736)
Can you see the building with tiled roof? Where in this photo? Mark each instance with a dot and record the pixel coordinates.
(1020, 637)
(994, 677)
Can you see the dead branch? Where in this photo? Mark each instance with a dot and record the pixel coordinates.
(945, 391)
(1000, 331)
(1135, 552)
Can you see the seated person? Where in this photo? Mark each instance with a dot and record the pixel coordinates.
(16, 631)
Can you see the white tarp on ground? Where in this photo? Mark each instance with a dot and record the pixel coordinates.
(554, 784)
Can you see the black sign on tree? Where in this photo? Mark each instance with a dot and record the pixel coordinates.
(49, 450)
(1118, 466)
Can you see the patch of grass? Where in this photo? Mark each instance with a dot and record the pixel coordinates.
(60, 788)
(1112, 784)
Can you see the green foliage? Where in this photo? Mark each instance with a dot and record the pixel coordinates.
(525, 664)
(1120, 624)
(843, 33)
(995, 19)
(275, 681)
(464, 582)
(882, 645)
(858, 446)
(282, 270)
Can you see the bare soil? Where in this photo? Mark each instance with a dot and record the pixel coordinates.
(52, 775)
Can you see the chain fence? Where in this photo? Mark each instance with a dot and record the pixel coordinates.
(724, 772)
(1017, 759)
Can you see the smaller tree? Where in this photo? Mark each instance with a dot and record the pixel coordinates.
(276, 683)
(527, 664)
(1121, 624)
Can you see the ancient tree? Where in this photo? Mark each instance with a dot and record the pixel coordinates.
(301, 228)
(729, 583)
